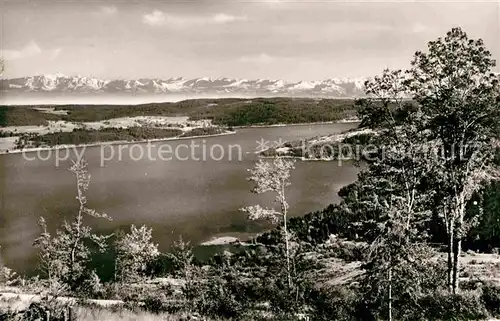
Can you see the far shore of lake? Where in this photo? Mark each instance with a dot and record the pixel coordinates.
(117, 142)
(123, 142)
(341, 121)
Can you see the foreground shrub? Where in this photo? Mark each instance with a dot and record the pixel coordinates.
(337, 303)
(348, 305)
(45, 310)
(91, 287)
(220, 298)
(445, 306)
(135, 252)
(491, 298)
(346, 250)
(7, 276)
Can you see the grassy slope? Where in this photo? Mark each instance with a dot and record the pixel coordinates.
(96, 313)
(336, 272)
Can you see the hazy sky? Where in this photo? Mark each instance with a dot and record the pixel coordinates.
(291, 40)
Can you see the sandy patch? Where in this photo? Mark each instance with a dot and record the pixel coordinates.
(336, 138)
(282, 150)
(48, 110)
(221, 240)
(7, 144)
(147, 121)
(52, 127)
(22, 301)
(350, 120)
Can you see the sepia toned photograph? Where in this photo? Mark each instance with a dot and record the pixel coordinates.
(249, 160)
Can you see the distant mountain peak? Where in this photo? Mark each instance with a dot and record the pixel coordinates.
(203, 86)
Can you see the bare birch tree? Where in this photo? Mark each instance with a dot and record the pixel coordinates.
(64, 257)
(273, 177)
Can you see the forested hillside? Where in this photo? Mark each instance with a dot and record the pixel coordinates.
(227, 112)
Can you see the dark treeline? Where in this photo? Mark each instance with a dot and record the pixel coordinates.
(227, 112)
(79, 136)
(87, 136)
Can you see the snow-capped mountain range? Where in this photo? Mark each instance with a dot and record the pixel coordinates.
(335, 87)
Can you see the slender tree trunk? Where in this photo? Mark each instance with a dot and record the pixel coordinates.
(81, 199)
(295, 278)
(460, 233)
(458, 249)
(450, 267)
(456, 265)
(451, 256)
(287, 247)
(287, 251)
(115, 274)
(77, 240)
(390, 292)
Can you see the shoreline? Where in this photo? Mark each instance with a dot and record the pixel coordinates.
(118, 142)
(342, 121)
(115, 142)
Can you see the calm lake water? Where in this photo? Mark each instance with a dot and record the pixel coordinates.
(196, 199)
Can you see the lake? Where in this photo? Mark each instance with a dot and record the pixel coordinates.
(191, 194)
